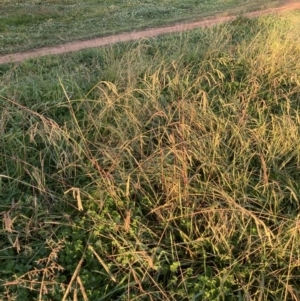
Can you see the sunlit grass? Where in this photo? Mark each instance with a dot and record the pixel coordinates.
(167, 169)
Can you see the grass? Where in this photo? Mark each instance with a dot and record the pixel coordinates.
(165, 169)
(31, 24)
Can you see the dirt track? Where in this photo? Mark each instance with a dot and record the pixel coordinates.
(148, 33)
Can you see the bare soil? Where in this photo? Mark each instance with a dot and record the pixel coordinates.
(123, 37)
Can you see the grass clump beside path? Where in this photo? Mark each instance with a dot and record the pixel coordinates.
(166, 169)
(31, 24)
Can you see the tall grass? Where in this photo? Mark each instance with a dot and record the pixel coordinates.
(174, 176)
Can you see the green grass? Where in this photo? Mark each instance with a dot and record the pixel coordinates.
(165, 169)
(30, 24)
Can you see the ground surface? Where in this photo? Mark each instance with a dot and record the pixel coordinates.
(30, 24)
(79, 45)
(161, 169)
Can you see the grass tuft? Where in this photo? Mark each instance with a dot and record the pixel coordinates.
(164, 169)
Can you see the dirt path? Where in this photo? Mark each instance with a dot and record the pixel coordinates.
(123, 37)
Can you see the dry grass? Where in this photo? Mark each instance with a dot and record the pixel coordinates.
(177, 182)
